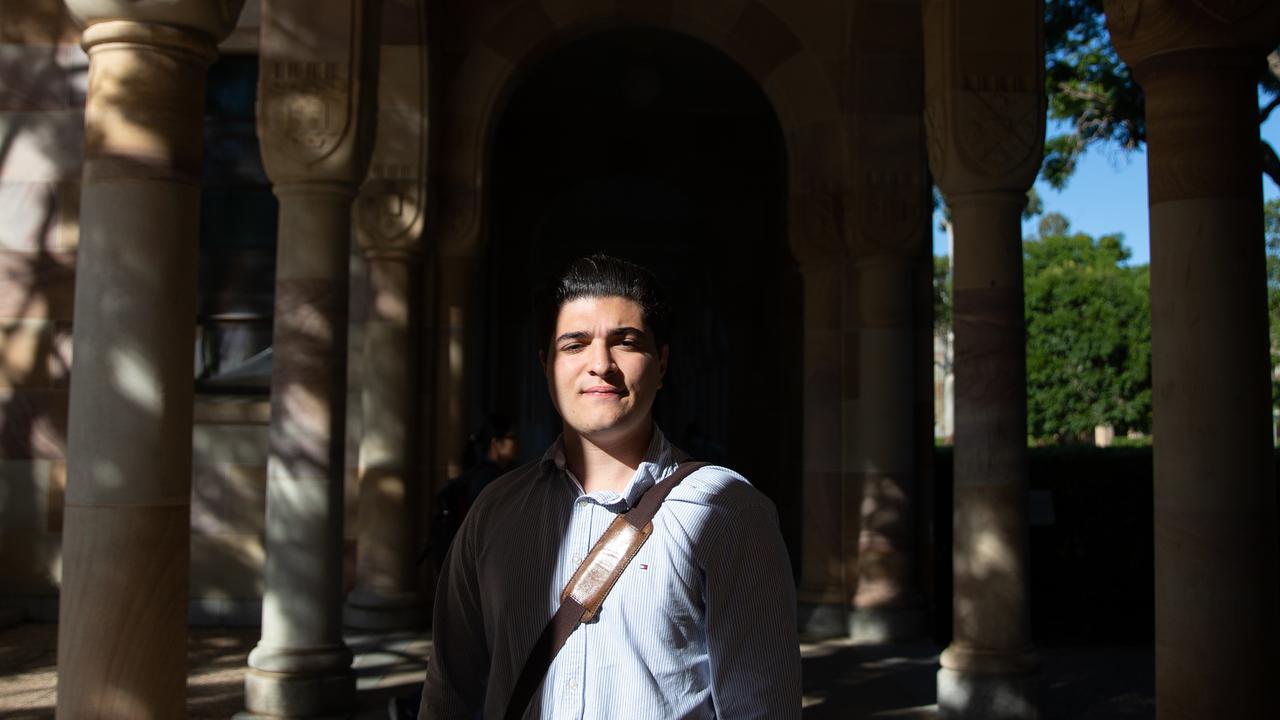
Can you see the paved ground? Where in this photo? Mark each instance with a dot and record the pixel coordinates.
(841, 680)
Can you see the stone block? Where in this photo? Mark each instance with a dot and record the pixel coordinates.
(214, 445)
(401, 24)
(227, 498)
(36, 285)
(227, 567)
(564, 13)
(400, 83)
(34, 354)
(476, 85)
(30, 562)
(33, 424)
(37, 22)
(39, 216)
(802, 94)
(42, 146)
(24, 495)
(39, 78)
(711, 19)
(760, 41)
(521, 29)
(820, 24)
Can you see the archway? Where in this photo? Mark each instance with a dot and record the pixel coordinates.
(652, 146)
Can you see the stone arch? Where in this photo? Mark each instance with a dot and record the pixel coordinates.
(792, 78)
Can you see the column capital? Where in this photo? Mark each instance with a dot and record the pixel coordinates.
(984, 93)
(1149, 33)
(317, 90)
(214, 18)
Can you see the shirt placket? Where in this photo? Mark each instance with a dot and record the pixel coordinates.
(571, 691)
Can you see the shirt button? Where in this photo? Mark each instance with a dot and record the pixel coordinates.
(576, 559)
(582, 503)
(573, 684)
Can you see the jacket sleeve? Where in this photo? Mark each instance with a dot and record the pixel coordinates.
(751, 620)
(458, 671)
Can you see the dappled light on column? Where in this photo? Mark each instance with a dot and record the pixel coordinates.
(984, 99)
(316, 94)
(888, 237)
(390, 217)
(1216, 595)
(123, 608)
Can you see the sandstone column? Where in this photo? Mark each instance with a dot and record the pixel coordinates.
(1217, 638)
(985, 119)
(316, 95)
(123, 608)
(389, 230)
(456, 277)
(821, 597)
(889, 231)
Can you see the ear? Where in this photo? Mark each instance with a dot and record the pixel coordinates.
(542, 360)
(662, 363)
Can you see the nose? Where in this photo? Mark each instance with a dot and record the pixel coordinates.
(601, 358)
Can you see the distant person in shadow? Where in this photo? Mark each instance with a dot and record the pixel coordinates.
(491, 451)
(701, 624)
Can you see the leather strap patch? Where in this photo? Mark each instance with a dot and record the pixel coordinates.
(597, 574)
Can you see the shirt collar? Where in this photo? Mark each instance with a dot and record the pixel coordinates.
(660, 460)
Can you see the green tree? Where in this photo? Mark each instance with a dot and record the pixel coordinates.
(941, 295)
(1093, 92)
(1088, 335)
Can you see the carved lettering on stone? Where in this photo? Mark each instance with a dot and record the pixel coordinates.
(1228, 11)
(306, 106)
(999, 130)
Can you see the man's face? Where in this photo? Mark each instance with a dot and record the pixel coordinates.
(604, 368)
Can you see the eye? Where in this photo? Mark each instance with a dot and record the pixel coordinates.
(571, 347)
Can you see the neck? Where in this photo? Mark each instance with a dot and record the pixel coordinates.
(604, 465)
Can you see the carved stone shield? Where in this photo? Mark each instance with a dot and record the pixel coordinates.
(306, 106)
(998, 130)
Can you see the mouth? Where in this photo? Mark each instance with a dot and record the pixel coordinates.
(603, 391)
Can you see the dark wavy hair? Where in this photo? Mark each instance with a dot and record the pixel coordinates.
(601, 275)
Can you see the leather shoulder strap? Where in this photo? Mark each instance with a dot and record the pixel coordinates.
(591, 583)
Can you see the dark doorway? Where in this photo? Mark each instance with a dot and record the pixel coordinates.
(654, 147)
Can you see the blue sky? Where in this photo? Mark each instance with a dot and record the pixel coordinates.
(1108, 194)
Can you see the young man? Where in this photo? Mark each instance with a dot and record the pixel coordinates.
(702, 622)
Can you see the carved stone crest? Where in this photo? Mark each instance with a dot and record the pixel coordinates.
(1228, 11)
(999, 124)
(305, 105)
(891, 210)
(390, 206)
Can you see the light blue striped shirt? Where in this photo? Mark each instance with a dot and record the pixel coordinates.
(701, 624)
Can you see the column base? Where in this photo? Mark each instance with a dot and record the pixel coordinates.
(365, 610)
(879, 626)
(968, 696)
(821, 621)
(296, 695)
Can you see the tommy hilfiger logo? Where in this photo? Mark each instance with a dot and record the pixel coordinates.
(644, 566)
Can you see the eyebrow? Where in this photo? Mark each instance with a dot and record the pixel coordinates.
(582, 334)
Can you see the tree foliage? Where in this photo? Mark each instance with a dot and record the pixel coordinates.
(941, 295)
(1088, 335)
(1093, 92)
